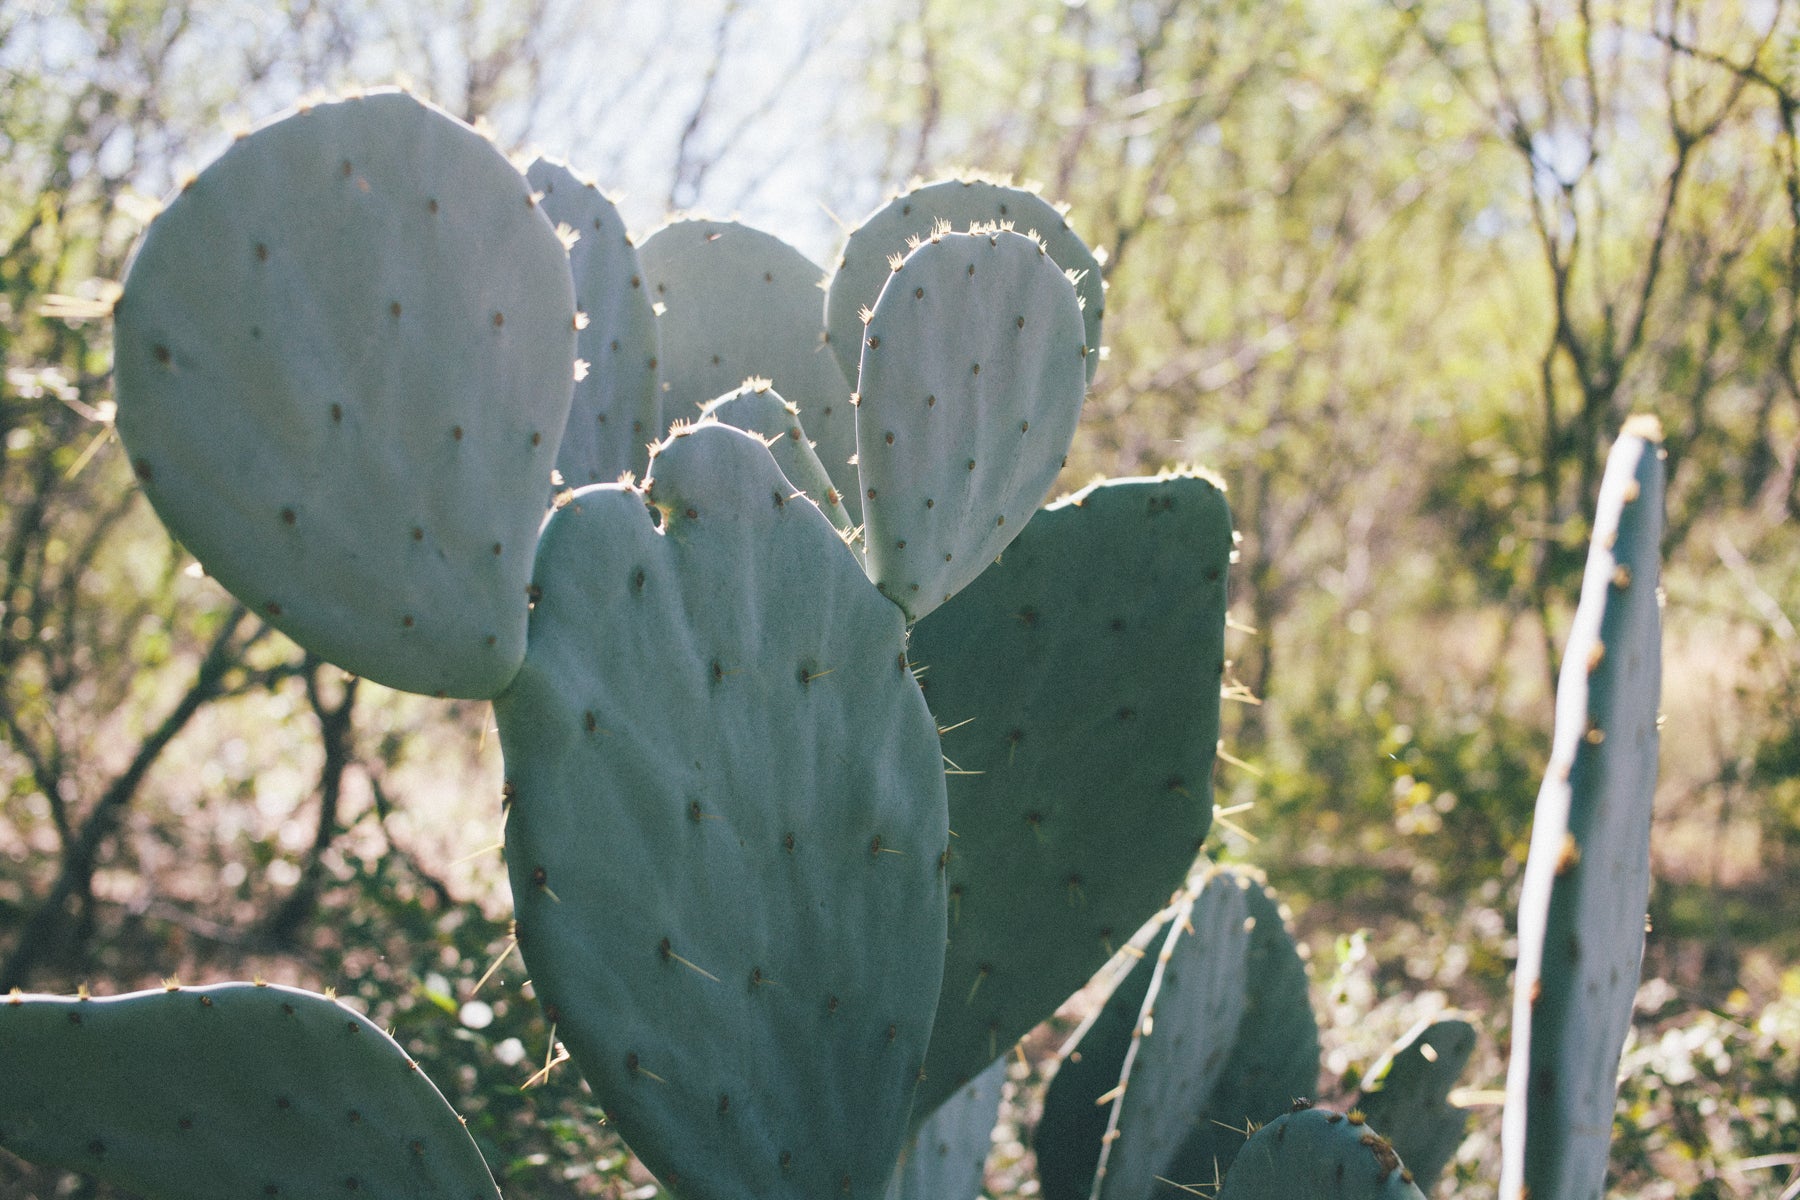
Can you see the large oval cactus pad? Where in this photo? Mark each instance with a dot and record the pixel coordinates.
(345, 355)
(970, 391)
(863, 265)
(1078, 684)
(228, 1091)
(726, 828)
(1587, 877)
(617, 412)
(738, 303)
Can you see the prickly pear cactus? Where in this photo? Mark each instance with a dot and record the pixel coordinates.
(1275, 1057)
(738, 304)
(1587, 880)
(947, 1158)
(970, 389)
(1081, 717)
(1317, 1154)
(344, 359)
(759, 409)
(863, 265)
(1182, 1040)
(1078, 1102)
(1407, 1094)
(726, 828)
(222, 1092)
(617, 412)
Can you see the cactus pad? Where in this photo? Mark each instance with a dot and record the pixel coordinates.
(947, 1157)
(617, 411)
(1407, 1094)
(1275, 1058)
(726, 828)
(222, 1092)
(1319, 1155)
(1182, 1040)
(863, 265)
(970, 389)
(759, 409)
(1587, 878)
(1081, 716)
(739, 303)
(344, 359)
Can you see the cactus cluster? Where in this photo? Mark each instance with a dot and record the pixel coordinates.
(834, 765)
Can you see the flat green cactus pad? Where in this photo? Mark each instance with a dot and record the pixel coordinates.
(738, 303)
(759, 409)
(1275, 1057)
(863, 266)
(1317, 1154)
(1078, 684)
(970, 390)
(1587, 879)
(726, 828)
(344, 356)
(1407, 1094)
(225, 1092)
(617, 412)
(947, 1157)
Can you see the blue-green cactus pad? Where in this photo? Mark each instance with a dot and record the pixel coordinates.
(1317, 1154)
(947, 1158)
(1587, 878)
(1184, 1035)
(738, 303)
(344, 358)
(1078, 682)
(1407, 1095)
(970, 391)
(224, 1092)
(1078, 1102)
(759, 409)
(726, 828)
(617, 411)
(1275, 1059)
(960, 203)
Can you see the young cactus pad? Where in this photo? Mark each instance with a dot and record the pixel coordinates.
(1078, 1102)
(1317, 1154)
(970, 390)
(863, 265)
(1275, 1056)
(344, 360)
(1587, 878)
(726, 828)
(223, 1092)
(739, 303)
(617, 411)
(947, 1158)
(1183, 1036)
(758, 408)
(1077, 682)
(1407, 1094)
